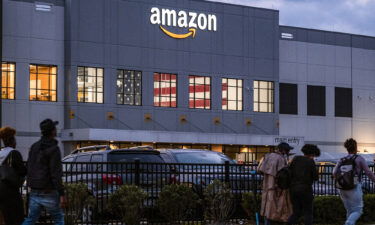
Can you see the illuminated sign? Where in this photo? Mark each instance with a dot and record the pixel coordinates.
(182, 19)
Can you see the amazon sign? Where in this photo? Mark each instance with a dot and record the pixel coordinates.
(190, 21)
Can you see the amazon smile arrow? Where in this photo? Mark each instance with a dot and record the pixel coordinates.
(191, 33)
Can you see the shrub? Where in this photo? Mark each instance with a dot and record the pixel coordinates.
(369, 209)
(219, 202)
(251, 204)
(127, 202)
(78, 200)
(329, 210)
(177, 202)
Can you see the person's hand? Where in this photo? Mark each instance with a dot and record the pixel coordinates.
(63, 202)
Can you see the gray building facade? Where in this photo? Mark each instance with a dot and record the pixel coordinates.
(130, 72)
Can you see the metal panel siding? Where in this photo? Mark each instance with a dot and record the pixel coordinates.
(245, 45)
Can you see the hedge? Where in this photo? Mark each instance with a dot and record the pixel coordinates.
(327, 209)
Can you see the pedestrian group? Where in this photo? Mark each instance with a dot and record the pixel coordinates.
(44, 177)
(287, 191)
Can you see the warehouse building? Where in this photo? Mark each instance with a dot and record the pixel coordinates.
(183, 74)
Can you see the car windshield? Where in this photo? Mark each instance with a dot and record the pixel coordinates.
(148, 158)
(202, 158)
(131, 157)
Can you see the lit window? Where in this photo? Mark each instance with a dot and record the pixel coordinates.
(263, 96)
(90, 84)
(199, 92)
(43, 83)
(129, 87)
(165, 90)
(8, 80)
(231, 90)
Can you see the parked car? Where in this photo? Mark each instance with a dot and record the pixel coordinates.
(104, 171)
(198, 168)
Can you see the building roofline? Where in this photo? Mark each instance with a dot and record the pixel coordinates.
(327, 31)
(231, 4)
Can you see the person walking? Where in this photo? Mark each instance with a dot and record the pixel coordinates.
(44, 176)
(303, 174)
(276, 205)
(352, 197)
(11, 203)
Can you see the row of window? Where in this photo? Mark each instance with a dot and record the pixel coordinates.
(316, 100)
(90, 88)
(90, 84)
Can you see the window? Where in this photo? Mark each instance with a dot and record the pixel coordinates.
(90, 85)
(199, 92)
(343, 102)
(288, 99)
(165, 90)
(129, 87)
(263, 96)
(43, 83)
(231, 90)
(67, 164)
(8, 71)
(316, 100)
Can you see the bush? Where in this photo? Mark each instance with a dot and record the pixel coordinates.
(78, 200)
(251, 205)
(127, 202)
(219, 202)
(369, 209)
(327, 209)
(177, 202)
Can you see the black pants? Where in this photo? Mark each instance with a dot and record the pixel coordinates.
(302, 202)
(11, 206)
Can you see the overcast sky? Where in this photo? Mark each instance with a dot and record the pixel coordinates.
(349, 16)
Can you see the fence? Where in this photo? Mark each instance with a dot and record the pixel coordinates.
(103, 179)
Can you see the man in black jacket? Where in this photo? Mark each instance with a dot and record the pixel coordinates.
(44, 176)
(304, 173)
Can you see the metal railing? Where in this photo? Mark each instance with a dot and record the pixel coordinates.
(103, 179)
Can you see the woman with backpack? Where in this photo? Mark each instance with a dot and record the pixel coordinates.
(347, 174)
(13, 172)
(303, 173)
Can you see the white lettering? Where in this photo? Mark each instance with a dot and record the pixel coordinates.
(169, 17)
(193, 17)
(212, 22)
(183, 19)
(155, 16)
(202, 21)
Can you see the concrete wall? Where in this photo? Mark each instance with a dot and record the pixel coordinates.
(117, 34)
(32, 37)
(332, 66)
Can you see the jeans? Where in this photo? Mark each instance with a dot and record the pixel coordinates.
(302, 202)
(353, 202)
(49, 201)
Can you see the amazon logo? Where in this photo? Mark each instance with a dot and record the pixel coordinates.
(190, 21)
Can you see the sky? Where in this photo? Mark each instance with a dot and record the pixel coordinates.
(348, 16)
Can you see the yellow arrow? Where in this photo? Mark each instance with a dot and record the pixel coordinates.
(192, 32)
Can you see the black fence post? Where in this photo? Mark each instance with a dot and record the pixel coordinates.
(137, 172)
(227, 171)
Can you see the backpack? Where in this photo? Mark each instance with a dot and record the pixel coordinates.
(284, 178)
(345, 176)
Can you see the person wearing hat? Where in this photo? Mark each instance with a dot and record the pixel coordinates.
(303, 174)
(44, 176)
(11, 203)
(276, 205)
